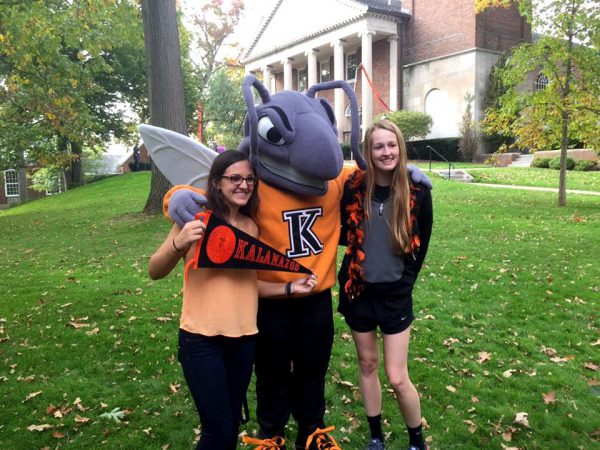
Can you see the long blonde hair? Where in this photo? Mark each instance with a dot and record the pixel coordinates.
(400, 226)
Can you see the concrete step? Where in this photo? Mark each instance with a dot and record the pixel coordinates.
(522, 161)
(455, 175)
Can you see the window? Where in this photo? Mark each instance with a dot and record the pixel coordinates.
(325, 71)
(11, 183)
(351, 64)
(541, 82)
(302, 80)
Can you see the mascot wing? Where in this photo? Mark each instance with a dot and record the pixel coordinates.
(179, 158)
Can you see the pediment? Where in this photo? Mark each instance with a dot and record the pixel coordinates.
(293, 21)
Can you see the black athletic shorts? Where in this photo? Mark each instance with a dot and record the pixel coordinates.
(384, 305)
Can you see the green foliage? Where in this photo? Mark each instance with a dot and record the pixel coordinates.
(554, 163)
(467, 145)
(346, 150)
(584, 165)
(83, 326)
(413, 124)
(566, 111)
(224, 106)
(69, 71)
(48, 179)
(541, 163)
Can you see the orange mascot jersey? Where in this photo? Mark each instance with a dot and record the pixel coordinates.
(304, 228)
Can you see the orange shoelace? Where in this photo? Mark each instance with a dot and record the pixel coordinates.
(323, 440)
(264, 444)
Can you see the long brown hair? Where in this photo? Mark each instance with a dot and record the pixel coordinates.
(216, 201)
(400, 227)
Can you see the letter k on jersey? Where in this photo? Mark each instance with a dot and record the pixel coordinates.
(303, 240)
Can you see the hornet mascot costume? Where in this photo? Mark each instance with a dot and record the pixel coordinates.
(292, 141)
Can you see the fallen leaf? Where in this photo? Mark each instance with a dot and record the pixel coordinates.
(550, 397)
(174, 387)
(58, 435)
(163, 319)
(80, 419)
(77, 402)
(474, 399)
(116, 414)
(484, 356)
(507, 435)
(30, 396)
(451, 389)
(591, 366)
(39, 427)
(508, 373)
(78, 325)
(522, 418)
(472, 426)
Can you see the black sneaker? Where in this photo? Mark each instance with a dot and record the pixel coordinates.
(375, 444)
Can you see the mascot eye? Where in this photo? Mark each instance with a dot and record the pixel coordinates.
(268, 132)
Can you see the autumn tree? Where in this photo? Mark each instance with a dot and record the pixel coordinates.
(213, 25)
(69, 72)
(564, 108)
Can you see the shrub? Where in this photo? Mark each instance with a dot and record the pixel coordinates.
(541, 163)
(555, 163)
(584, 165)
(346, 150)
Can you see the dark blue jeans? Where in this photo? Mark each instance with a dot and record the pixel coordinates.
(217, 370)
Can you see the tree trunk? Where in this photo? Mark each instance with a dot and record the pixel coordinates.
(562, 181)
(76, 171)
(165, 82)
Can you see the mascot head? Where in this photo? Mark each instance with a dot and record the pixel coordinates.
(291, 138)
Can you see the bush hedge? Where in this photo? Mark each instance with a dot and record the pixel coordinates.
(446, 147)
(584, 165)
(555, 163)
(541, 163)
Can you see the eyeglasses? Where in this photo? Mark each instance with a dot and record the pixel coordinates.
(237, 180)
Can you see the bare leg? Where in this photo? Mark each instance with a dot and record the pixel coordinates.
(368, 362)
(395, 352)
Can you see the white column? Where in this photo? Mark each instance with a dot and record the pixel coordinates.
(287, 74)
(338, 74)
(266, 70)
(393, 40)
(312, 67)
(367, 92)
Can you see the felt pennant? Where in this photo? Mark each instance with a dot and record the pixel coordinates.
(223, 245)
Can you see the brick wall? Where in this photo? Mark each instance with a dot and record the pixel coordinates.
(442, 27)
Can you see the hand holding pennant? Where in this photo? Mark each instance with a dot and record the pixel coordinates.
(223, 245)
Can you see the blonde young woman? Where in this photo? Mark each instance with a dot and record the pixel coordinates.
(386, 225)
(217, 331)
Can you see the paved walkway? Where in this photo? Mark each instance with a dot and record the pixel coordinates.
(533, 188)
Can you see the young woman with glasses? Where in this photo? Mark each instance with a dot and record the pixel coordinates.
(218, 320)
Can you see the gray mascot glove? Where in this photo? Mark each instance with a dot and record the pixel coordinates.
(416, 175)
(184, 205)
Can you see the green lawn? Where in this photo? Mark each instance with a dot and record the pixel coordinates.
(508, 323)
(584, 181)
